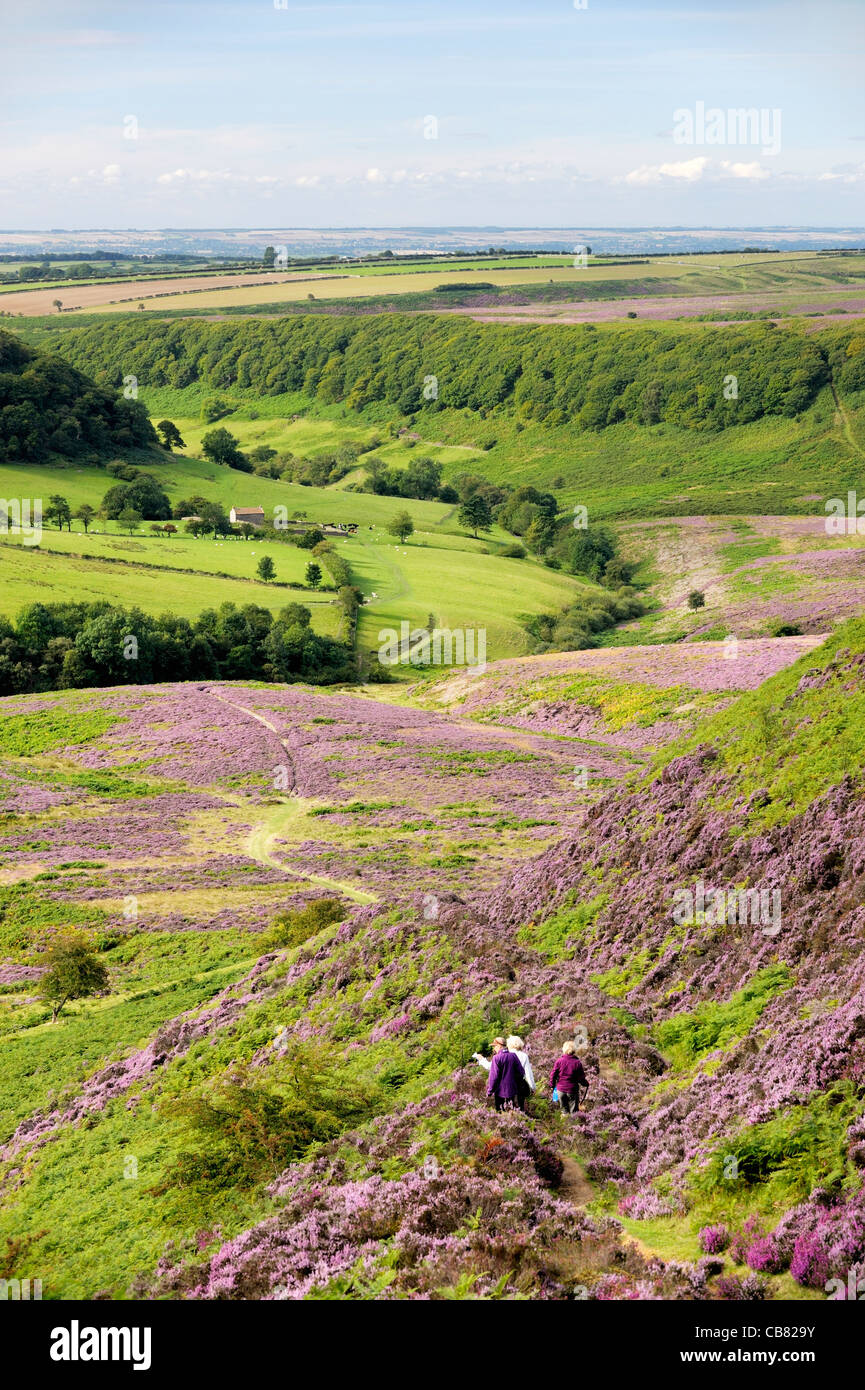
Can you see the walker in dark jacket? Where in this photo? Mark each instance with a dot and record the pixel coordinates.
(506, 1073)
(567, 1076)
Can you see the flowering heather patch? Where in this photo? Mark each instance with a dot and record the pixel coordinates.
(765, 1256)
(810, 1265)
(628, 698)
(496, 1215)
(702, 667)
(643, 1206)
(149, 827)
(183, 733)
(714, 1239)
(23, 794)
(750, 1289)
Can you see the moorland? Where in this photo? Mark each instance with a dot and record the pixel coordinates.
(307, 889)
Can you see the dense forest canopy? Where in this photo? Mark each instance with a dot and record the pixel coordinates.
(58, 646)
(555, 374)
(48, 407)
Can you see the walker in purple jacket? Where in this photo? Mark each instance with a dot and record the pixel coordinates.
(506, 1073)
(566, 1078)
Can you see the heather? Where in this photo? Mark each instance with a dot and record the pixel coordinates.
(285, 1045)
(792, 739)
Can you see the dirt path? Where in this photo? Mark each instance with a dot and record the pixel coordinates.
(259, 843)
(259, 846)
(845, 422)
(574, 1186)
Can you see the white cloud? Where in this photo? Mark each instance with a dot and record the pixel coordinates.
(695, 170)
(844, 173)
(689, 170)
(745, 171)
(203, 176)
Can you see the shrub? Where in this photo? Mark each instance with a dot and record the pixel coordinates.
(765, 1256)
(295, 927)
(714, 1239)
(730, 1287)
(248, 1129)
(810, 1263)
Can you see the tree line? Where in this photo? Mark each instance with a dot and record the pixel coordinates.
(60, 646)
(558, 374)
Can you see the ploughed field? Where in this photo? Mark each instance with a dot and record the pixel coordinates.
(268, 1102)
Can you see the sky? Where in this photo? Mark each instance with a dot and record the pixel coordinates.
(432, 113)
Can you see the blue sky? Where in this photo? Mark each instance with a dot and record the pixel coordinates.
(517, 112)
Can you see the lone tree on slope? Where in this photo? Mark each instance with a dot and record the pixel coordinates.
(401, 526)
(171, 438)
(73, 973)
(475, 513)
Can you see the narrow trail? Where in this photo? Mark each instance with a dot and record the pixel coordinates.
(261, 719)
(259, 843)
(580, 1192)
(574, 1186)
(845, 422)
(259, 846)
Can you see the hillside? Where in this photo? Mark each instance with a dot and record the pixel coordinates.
(652, 375)
(482, 889)
(630, 420)
(50, 409)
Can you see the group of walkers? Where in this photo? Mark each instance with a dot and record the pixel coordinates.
(512, 1082)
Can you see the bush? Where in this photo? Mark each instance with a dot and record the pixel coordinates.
(765, 1256)
(751, 1289)
(310, 539)
(215, 408)
(249, 1128)
(513, 552)
(294, 927)
(714, 1239)
(810, 1263)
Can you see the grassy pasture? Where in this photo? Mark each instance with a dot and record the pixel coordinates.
(440, 571)
(31, 576)
(451, 580)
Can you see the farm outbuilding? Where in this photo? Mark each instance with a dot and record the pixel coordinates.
(253, 516)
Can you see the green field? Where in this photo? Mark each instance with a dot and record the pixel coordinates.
(448, 579)
(440, 571)
(30, 575)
